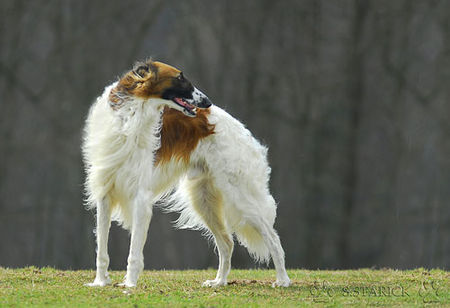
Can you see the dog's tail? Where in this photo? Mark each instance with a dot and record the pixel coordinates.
(251, 239)
(254, 233)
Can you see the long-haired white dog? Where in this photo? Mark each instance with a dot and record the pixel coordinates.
(153, 136)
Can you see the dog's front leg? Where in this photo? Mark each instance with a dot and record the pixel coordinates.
(102, 232)
(142, 215)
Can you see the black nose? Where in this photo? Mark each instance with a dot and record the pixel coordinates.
(204, 103)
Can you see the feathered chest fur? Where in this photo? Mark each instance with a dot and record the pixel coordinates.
(124, 151)
(180, 135)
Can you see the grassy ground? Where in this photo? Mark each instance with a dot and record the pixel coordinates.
(47, 286)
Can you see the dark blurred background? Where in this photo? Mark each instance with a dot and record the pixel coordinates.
(352, 98)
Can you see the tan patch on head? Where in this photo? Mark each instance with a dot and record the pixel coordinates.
(180, 134)
(147, 80)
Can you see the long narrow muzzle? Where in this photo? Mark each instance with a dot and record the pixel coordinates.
(199, 99)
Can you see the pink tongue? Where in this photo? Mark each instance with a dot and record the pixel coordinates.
(182, 103)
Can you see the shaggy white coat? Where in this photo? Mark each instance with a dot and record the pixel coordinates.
(228, 167)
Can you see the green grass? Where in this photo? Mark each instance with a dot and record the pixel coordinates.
(249, 288)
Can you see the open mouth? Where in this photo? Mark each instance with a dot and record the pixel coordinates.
(188, 109)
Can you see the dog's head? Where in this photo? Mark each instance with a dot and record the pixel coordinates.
(160, 84)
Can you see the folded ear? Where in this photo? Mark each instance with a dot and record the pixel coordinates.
(145, 70)
(136, 83)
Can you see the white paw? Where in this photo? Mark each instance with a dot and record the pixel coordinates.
(282, 283)
(127, 284)
(99, 283)
(214, 283)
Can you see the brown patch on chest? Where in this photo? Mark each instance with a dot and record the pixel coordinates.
(180, 134)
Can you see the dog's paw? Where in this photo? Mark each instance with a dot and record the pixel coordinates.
(127, 284)
(282, 283)
(214, 283)
(99, 283)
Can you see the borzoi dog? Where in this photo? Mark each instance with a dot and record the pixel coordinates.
(153, 136)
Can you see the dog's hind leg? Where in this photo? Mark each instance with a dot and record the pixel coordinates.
(102, 232)
(224, 243)
(142, 215)
(272, 241)
(207, 201)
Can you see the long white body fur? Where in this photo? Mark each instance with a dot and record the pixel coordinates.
(223, 189)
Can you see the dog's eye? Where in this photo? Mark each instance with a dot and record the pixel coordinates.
(141, 71)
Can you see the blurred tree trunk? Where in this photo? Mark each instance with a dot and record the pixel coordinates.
(356, 77)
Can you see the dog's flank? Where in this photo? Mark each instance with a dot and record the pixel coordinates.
(153, 131)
